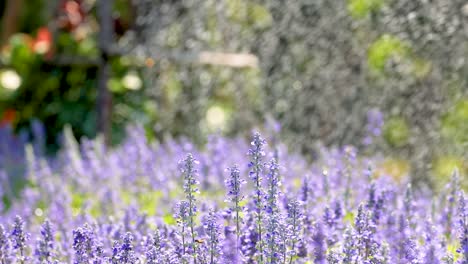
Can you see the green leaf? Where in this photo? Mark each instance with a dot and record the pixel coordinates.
(362, 8)
(396, 132)
(383, 49)
(455, 123)
(169, 219)
(149, 201)
(115, 85)
(349, 217)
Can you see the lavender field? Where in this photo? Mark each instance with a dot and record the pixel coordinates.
(233, 131)
(234, 201)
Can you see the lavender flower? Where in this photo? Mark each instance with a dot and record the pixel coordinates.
(156, 252)
(230, 241)
(409, 204)
(256, 165)
(4, 246)
(406, 251)
(378, 209)
(99, 253)
(294, 221)
(368, 247)
(272, 214)
(319, 244)
(152, 256)
(448, 259)
(234, 196)
(448, 214)
(19, 238)
(45, 245)
(432, 245)
(83, 244)
(385, 256)
(272, 238)
(305, 190)
(371, 200)
(410, 252)
(115, 258)
(328, 217)
(249, 237)
(350, 252)
(273, 192)
(182, 216)
(350, 157)
(190, 189)
(112, 188)
(338, 211)
(126, 254)
(213, 232)
(157, 240)
(374, 126)
(463, 227)
(333, 257)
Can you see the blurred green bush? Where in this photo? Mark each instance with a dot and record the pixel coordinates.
(322, 65)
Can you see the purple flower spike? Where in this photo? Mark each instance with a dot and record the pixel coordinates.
(45, 245)
(19, 238)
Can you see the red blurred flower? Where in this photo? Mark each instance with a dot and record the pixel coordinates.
(43, 42)
(7, 118)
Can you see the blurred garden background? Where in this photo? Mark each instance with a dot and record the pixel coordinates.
(387, 76)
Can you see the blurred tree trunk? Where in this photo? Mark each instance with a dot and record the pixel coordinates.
(10, 19)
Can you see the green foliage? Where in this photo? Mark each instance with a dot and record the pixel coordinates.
(443, 167)
(57, 95)
(6, 202)
(455, 122)
(115, 85)
(396, 132)
(169, 219)
(78, 200)
(62, 94)
(384, 48)
(149, 201)
(249, 14)
(421, 68)
(33, 9)
(330, 42)
(362, 8)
